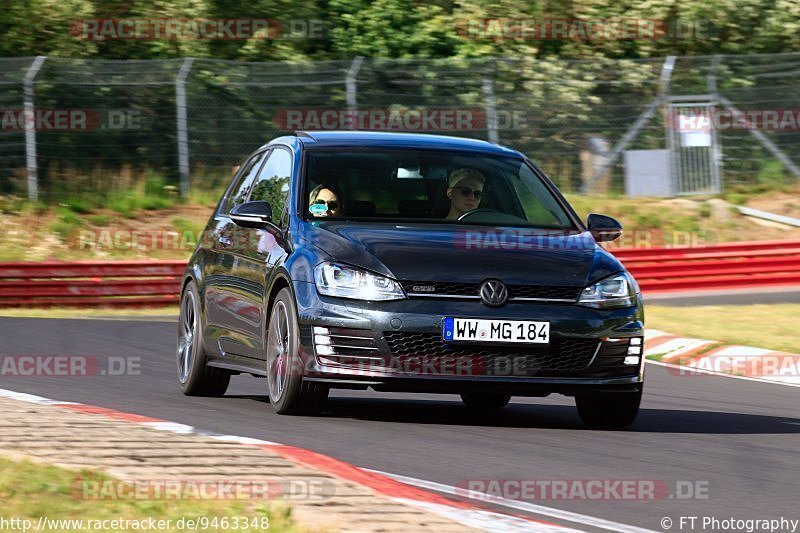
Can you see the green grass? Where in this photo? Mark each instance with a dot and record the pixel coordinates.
(100, 220)
(125, 205)
(125, 193)
(771, 326)
(11, 205)
(79, 205)
(67, 224)
(30, 490)
(152, 203)
(182, 225)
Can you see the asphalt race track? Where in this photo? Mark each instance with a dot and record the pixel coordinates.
(739, 437)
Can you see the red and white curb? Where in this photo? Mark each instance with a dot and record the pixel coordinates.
(690, 355)
(406, 490)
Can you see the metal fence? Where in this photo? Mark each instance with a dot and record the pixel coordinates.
(68, 121)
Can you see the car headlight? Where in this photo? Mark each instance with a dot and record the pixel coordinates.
(612, 292)
(333, 279)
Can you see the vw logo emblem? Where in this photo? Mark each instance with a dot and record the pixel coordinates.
(494, 292)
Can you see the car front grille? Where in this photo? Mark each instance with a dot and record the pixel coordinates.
(429, 350)
(432, 289)
(409, 352)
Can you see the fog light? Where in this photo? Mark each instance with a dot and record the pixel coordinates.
(320, 330)
(327, 350)
(636, 341)
(635, 350)
(322, 339)
(632, 360)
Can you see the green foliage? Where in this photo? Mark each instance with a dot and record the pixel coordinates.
(152, 203)
(10, 205)
(125, 205)
(78, 204)
(42, 27)
(770, 175)
(183, 225)
(67, 224)
(596, 96)
(773, 176)
(100, 220)
(405, 28)
(736, 198)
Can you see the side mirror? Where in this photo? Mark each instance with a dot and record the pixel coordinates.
(603, 228)
(252, 214)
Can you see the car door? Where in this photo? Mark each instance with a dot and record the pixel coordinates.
(226, 321)
(263, 252)
(256, 252)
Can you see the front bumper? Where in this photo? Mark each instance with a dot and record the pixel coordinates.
(396, 346)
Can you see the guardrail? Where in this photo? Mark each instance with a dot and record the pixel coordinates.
(90, 283)
(722, 266)
(154, 283)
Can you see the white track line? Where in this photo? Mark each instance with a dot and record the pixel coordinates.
(488, 520)
(542, 510)
(30, 398)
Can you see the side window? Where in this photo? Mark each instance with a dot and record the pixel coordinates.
(273, 182)
(238, 193)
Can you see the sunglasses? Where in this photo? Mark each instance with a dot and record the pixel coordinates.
(466, 191)
(333, 205)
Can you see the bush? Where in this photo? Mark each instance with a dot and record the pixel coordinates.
(67, 223)
(78, 205)
(100, 220)
(151, 203)
(124, 205)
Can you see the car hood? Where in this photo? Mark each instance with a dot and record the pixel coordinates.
(465, 254)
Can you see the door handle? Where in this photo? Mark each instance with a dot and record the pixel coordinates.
(225, 242)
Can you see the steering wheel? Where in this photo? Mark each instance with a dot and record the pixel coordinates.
(477, 212)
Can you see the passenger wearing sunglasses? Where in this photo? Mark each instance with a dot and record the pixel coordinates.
(464, 189)
(327, 199)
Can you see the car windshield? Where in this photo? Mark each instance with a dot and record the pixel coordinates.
(428, 186)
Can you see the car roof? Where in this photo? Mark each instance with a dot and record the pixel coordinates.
(372, 139)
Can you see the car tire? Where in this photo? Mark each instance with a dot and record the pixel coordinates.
(485, 400)
(608, 410)
(288, 393)
(194, 376)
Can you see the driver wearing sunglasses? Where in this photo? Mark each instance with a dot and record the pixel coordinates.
(465, 190)
(325, 195)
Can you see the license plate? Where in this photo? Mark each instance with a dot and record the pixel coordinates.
(481, 330)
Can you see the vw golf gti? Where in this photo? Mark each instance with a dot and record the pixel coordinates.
(409, 262)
